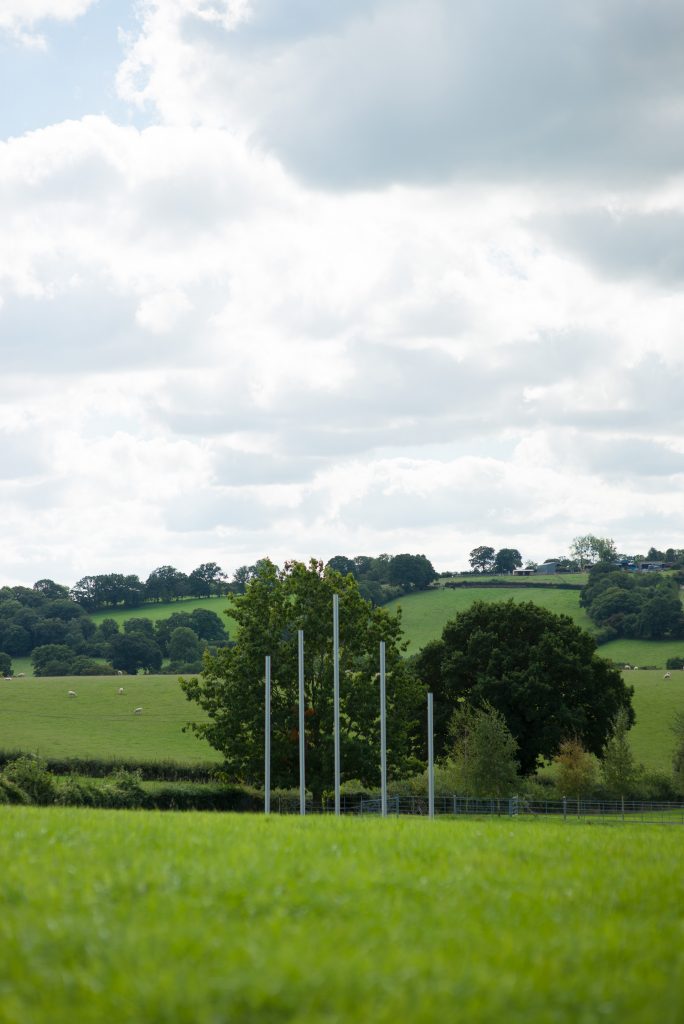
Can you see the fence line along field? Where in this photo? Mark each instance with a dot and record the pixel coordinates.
(129, 917)
(37, 716)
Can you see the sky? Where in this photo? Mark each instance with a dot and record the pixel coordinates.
(302, 279)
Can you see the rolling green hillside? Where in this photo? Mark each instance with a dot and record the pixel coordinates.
(424, 615)
(163, 610)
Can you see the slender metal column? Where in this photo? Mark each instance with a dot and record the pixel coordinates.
(302, 773)
(336, 695)
(431, 756)
(267, 738)
(383, 732)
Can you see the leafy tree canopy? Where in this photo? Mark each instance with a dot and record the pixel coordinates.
(276, 604)
(482, 558)
(540, 670)
(507, 559)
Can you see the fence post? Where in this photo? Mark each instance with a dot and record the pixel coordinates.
(565, 808)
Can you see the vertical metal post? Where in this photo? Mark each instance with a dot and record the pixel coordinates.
(267, 738)
(383, 732)
(302, 773)
(431, 756)
(336, 696)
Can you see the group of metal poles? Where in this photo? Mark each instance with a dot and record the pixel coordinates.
(336, 726)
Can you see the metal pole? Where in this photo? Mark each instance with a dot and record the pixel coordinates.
(336, 696)
(431, 757)
(267, 739)
(383, 732)
(302, 774)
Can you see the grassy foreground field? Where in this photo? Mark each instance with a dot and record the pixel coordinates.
(144, 917)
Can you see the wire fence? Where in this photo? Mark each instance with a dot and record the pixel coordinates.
(569, 810)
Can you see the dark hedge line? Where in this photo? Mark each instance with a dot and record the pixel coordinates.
(510, 583)
(99, 768)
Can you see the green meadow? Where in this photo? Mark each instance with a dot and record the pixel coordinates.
(424, 615)
(37, 716)
(162, 610)
(196, 918)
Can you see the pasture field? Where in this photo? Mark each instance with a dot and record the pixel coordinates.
(162, 610)
(198, 918)
(424, 615)
(37, 716)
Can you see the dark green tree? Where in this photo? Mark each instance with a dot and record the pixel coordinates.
(412, 572)
(5, 664)
(276, 604)
(342, 564)
(507, 559)
(184, 647)
(132, 651)
(540, 670)
(482, 558)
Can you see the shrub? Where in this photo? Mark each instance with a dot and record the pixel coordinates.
(11, 793)
(675, 663)
(76, 792)
(124, 789)
(31, 775)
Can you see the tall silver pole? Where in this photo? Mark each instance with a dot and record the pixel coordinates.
(302, 774)
(383, 732)
(336, 695)
(431, 757)
(267, 739)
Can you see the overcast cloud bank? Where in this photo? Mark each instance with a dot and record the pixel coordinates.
(369, 277)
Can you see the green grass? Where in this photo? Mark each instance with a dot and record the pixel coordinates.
(37, 716)
(425, 615)
(163, 610)
(655, 702)
(196, 919)
(643, 652)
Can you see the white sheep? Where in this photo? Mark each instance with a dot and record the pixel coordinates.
(138, 711)
(119, 672)
(667, 676)
(121, 690)
(71, 693)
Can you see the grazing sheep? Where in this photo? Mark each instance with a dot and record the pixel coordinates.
(119, 672)
(19, 675)
(121, 690)
(667, 676)
(71, 693)
(138, 711)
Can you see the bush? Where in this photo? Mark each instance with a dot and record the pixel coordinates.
(675, 663)
(11, 793)
(31, 775)
(76, 792)
(203, 797)
(124, 789)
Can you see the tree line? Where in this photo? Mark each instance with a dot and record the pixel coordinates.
(644, 606)
(584, 551)
(62, 638)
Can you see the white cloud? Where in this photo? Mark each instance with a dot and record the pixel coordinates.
(436, 345)
(20, 17)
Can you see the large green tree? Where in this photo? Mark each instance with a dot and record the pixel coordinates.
(540, 670)
(276, 604)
